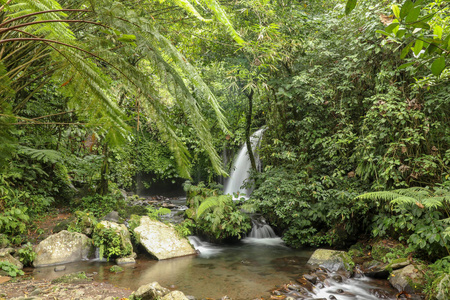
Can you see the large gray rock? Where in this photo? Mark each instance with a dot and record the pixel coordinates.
(151, 291)
(63, 247)
(175, 295)
(409, 279)
(5, 255)
(331, 259)
(161, 240)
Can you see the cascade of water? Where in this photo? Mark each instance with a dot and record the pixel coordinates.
(261, 230)
(241, 167)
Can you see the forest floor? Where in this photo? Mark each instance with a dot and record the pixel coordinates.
(28, 288)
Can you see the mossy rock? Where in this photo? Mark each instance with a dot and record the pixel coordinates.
(75, 278)
(332, 260)
(381, 248)
(441, 287)
(84, 222)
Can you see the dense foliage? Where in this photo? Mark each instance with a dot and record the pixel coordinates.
(354, 96)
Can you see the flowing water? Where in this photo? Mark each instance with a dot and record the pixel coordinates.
(241, 167)
(242, 271)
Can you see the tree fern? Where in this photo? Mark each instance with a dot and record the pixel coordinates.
(216, 203)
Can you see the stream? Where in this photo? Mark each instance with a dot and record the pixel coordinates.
(242, 271)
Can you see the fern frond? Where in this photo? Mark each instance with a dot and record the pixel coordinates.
(43, 155)
(213, 202)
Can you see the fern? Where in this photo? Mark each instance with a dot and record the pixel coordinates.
(218, 203)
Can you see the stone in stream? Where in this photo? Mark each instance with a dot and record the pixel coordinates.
(408, 279)
(63, 247)
(175, 295)
(331, 259)
(162, 241)
(150, 291)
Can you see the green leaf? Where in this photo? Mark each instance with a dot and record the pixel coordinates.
(437, 31)
(438, 66)
(391, 27)
(406, 7)
(350, 6)
(405, 50)
(418, 47)
(421, 25)
(127, 38)
(413, 15)
(404, 66)
(396, 11)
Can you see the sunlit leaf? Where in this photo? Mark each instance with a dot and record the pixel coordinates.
(438, 66)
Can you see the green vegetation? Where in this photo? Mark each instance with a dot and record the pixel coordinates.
(10, 269)
(110, 242)
(214, 216)
(354, 97)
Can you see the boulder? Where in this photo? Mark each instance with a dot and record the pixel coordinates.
(123, 233)
(5, 255)
(410, 279)
(112, 217)
(63, 247)
(331, 259)
(162, 241)
(151, 291)
(375, 269)
(175, 295)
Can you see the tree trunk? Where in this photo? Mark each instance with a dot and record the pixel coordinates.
(103, 187)
(247, 130)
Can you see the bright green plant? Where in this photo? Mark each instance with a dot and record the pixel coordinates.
(216, 216)
(10, 269)
(155, 214)
(421, 213)
(100, 205)
(110, 243)
(310, 212)
(13, 223)
(185, 228)
(116, 269)
(26, 254)
(84, 222)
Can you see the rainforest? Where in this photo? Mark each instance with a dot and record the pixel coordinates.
(115, 114)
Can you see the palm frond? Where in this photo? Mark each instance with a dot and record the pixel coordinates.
(43, 155)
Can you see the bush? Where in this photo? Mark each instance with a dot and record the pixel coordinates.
(215, 216)
(310, 211)
(26, 254)
(100, 205)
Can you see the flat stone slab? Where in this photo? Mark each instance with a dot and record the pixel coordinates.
(161, 240)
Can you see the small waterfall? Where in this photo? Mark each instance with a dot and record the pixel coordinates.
(261, 230)
(241, 167)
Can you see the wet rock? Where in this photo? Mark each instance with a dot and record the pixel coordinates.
(398, 264)
(59, 268)
(150, 291)
(305, 284)
(331, 259)
(112, 217)
(375, 269)
(63, 247)
(337, 278)
(161, 240)
(311, 278)
(409, 279)
(332, 297)
(380, 294)
(294, 287)
(125, 260)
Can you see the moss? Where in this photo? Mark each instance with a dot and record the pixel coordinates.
(79, 277)
(116, 269)
(349, 264)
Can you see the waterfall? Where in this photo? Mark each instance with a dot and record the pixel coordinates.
(241, 168)
(261, 230)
